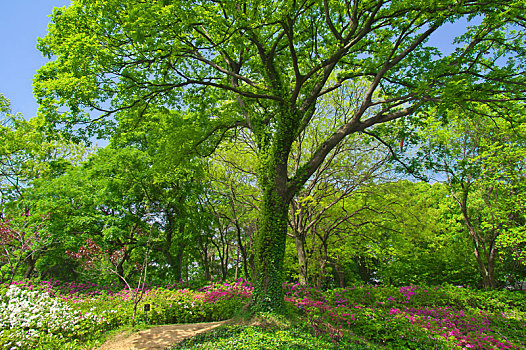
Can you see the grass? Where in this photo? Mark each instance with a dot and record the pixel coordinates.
(270, 337)
(272, 331)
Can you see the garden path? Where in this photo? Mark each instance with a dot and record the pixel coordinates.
(157, 338)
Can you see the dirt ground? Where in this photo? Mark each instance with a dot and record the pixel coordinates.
(157, 338)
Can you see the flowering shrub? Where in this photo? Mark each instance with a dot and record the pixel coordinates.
(416, 317)
(211, 303)
(31, 318)
(464, 330)
(222, 300)
(55, 315)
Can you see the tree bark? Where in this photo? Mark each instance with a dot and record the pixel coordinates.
(485, 259)
(241, 250)
(178, 262)
(270, 245)
(302, 259)
(30, 265)
(339, 272)
(322, 276)
(120, 273)
(204, 256)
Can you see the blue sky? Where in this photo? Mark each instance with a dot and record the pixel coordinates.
(23, 21)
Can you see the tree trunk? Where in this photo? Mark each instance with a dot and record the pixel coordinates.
(324, 258)
(241, 247)
(30, 265)
(249, 248)
(486, 268)
(174, 260)
(339, 272)
(270, 246)
(222, 246)
(204, 256)
(236, 275)
(241, 250)
(178, 267)
(302, 259)
(120, 269)
(491, 282)
(321, 275)
(485, 260)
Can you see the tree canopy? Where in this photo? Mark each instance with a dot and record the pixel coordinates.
(263, 65)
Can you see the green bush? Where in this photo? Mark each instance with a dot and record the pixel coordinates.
(264, 338)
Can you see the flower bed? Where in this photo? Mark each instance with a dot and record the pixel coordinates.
(417, 317)
(54, 315)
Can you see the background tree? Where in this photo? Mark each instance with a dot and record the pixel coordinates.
(482, 160)
(234, 197)
(173, 187)
(319, 208)
(21, 243)
(503, 174)
(422, 237)
(91, 202)
(27, 155)
(110, 200)
(263, 65)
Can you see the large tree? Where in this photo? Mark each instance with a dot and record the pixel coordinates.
(263, 65)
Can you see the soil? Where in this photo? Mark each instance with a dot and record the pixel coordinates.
(157, 338)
